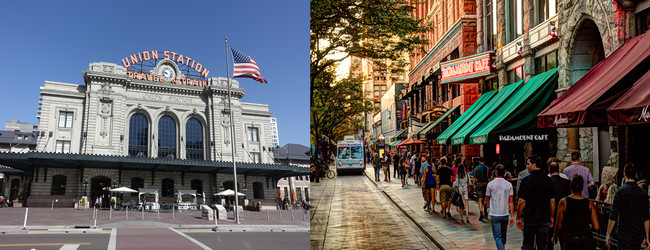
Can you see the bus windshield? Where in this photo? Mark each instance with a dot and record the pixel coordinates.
(357, 153)
(344, 153)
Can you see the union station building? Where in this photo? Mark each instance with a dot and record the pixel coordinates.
(156, 124)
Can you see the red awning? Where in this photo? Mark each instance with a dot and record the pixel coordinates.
(586, 102)
(632, 107)
(404, 143)
(413, 142)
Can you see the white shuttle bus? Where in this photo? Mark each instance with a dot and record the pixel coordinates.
(350, 155)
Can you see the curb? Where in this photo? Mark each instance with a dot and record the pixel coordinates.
(407, 214)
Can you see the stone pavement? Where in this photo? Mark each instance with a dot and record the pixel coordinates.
(40, 218)
(349, 212)
(449, 233)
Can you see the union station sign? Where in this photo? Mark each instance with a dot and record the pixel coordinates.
(167, 70)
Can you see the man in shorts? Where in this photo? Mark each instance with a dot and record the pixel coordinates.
(445, 176)
(480, 183)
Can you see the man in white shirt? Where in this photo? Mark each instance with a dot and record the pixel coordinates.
(498, 197)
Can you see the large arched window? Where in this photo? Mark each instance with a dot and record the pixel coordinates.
(168, 187)
(138, 131)
(166, 137)
(194, 139)
(136, 184)
(58, 185)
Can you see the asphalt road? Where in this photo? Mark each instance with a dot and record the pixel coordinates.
(220, 240)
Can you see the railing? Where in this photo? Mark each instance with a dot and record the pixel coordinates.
(602, 210)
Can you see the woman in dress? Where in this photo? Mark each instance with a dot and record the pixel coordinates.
(461, 185)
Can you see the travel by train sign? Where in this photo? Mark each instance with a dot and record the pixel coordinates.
(467, 67)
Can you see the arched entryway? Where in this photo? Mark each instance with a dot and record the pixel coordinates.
(99, 187)
(587, 50)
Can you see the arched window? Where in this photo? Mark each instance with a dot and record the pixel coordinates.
(58, 185)
(166, 137)
(138, 135)
(136, 183)
(197, 185)
(194, 139)
(168, 187)
(258, 190)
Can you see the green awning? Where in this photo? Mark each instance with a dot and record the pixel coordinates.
(399, 133)
(451, 110)
(422, 128)
(393, 144)
(462, 136)
(520, 110)
(469, 113)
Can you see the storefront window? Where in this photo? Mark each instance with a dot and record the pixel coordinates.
(516, 74)
(546, 62)
(138, 131)
(194, 139)
(166, 137)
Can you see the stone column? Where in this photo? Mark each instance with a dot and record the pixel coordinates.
(630, 22)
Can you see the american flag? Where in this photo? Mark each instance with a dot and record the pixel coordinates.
(245, 66)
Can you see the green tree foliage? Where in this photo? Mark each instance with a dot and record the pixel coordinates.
(380, 30)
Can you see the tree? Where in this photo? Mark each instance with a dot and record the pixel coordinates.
(380, 30)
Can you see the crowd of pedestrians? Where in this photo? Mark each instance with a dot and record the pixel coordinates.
(552, 207)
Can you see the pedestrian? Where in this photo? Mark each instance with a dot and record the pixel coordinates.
(404, 166)
(499, 197)
(480, 184)
(562, 188)
(454, 168)
(444, 185)
(575, 168)
(97, 202)
(579, 211)
(630, 213)
(385, 160)
(429, 180)
(376, 164)
(536, 205)
(418, 168)
(396, 163)
(461, 185)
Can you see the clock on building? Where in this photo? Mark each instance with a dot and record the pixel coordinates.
(167, 72)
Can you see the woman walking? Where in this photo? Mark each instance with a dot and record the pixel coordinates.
(429, 184)
(403, 168)
(461, 185)
(576, 233)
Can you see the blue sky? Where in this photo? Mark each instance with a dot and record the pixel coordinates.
(56, 40)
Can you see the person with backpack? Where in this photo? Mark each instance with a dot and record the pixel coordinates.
(480, 184)
(461, 186)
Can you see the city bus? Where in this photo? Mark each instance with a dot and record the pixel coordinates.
(350, 156)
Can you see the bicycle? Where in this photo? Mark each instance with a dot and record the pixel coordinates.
(331, 174)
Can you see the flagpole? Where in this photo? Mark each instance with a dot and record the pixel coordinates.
(232, 137)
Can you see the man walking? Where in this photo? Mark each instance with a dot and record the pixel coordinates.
(536, 205)
(575, 168)
(444, 185)
(396, 160)
(498, 196)
(376, 164)
(385, 160)
(629, 213)
(480, 184)
(562, 188)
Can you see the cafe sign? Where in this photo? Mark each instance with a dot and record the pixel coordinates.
(467, 67)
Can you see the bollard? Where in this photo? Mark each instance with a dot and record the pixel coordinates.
(267, 214)
(95, 225)
(143, 211)
(292, 214)
(280, 214)
(216, 224)
(127, 213)
(303, 214)
(52, 205)
(173, 212)
(110, 214)
(158, 213)
(25, 223)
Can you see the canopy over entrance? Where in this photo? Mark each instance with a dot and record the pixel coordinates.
(632, 107)
(585, 103)
(520, 110)
(465, 117)
(444, 116)
(462, 136)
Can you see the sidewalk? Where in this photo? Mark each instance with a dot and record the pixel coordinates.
(40, 218)
(449, 233)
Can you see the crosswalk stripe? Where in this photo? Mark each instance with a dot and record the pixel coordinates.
(112, 242)
(191, 239)
(69, 247)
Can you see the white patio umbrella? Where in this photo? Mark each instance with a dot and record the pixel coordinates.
(229, 192)
(123, 190)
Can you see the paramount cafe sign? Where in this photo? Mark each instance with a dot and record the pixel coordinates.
(169, 55)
